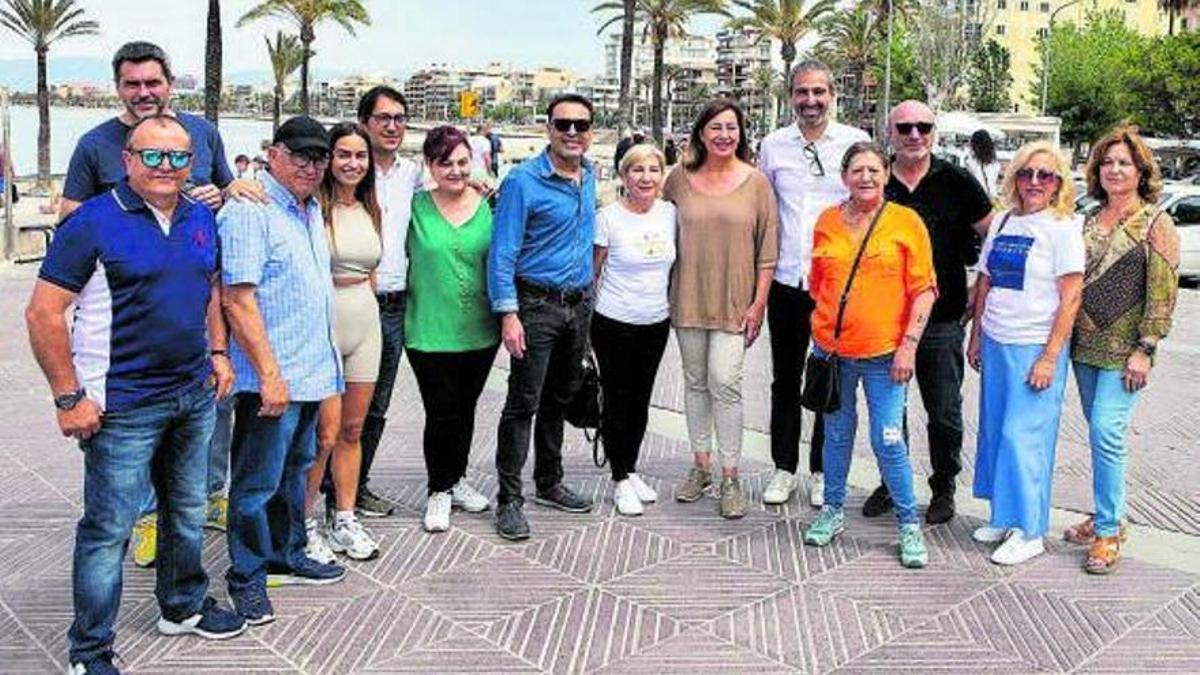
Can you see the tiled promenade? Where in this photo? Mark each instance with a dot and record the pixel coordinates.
(676, 590)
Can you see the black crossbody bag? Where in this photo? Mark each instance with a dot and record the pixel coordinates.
(822, 393)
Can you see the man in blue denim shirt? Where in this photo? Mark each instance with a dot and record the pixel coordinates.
(279, 301)
(133, 382)
(540, 282)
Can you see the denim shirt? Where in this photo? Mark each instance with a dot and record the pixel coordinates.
(280, 249)
(542, 231)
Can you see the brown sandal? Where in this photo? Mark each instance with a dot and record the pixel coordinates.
(1103, 556)
(1084, 533)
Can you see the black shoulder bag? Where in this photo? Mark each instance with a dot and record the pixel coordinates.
(822, 392)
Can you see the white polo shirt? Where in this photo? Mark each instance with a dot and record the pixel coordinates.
(804, 191)
(394, 189)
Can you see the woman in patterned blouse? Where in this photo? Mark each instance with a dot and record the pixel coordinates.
(1130, 286)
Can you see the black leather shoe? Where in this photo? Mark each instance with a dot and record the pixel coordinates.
(563, 498)
(879, 503)
(941, 508)
(510, 521)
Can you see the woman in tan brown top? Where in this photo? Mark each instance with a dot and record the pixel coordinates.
(727, 247)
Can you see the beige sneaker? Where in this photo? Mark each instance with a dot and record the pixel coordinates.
(692, 487)
(733, 502)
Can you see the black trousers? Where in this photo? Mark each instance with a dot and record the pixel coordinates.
(628, 356)
(541, 383)
(450, 385)
(789, 319)
(391, 321)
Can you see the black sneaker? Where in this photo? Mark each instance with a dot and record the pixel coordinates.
(510, 521)
(879, 503)
(212, 622)
(253, 605)
(563, 498)
(372, 505)
(307, 572)
(941, 508)
(101, 664)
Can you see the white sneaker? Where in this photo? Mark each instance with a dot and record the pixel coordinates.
(437, 512)
(626, 498)
(989, 535)
(1016, 549)
(317, 549)
(780, 489)
(351, 538)
(644, 492)
(467, 498)
(816, 491)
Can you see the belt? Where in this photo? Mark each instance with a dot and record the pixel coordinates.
(562, 296)
(390, 297)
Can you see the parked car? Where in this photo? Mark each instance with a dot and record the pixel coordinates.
(1182, 202)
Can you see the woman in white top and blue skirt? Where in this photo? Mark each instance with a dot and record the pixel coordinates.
(634, 251)
(1027, 296)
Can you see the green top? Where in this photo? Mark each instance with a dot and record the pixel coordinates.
(1129, 288)
(447, 288)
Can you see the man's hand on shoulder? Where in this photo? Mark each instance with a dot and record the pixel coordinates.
(246, 189)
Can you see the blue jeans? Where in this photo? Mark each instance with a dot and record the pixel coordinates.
(271, 457)
(885, 409)
(1107, 405)
(161, 445)
(218, 456)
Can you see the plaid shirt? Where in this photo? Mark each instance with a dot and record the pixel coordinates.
(280, 249)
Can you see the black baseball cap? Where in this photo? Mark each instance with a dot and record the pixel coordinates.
(303, 134)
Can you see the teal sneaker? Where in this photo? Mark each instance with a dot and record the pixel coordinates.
(912, 546)
(830, 523)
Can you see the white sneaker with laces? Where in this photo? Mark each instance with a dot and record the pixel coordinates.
(644, 492)
(317, 549)
(780, 489)
(626, 499)
(351, 538)
(1018, 548)
(989, 535)
(816, 491)
(437, 512)
(467, 498)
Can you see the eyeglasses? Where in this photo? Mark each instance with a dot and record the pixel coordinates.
(1028, 175)
(302, 160)
(153, 158)
(383, 119)
(814, 160)
(563, 125)
(906, 128)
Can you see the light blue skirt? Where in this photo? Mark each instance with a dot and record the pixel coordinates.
(1018, 432)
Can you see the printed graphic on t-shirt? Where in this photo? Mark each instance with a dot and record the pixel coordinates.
(654, 245)
(1006, 262)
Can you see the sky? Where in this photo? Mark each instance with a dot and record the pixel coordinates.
(405, 35)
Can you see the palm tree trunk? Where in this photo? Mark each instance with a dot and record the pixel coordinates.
(277, 109)
(656, 111)
(212, 63)
(43, 103)
(625, 103)
(306, 39)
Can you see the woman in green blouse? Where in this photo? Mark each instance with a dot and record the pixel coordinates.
(1129, 294)
(449, 330)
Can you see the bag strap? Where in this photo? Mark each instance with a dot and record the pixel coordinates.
(1003, 222)
(842, 301)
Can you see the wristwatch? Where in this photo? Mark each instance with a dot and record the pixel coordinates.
(1146, 347)
(69, 400)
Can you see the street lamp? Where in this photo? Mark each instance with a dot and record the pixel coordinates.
(1049, 44)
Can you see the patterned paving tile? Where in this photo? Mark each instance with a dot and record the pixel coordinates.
(600, 552)
(246, 654)
(696, 587)
(582, 632)
(696, 651)
(807, 628)
(1168, 642)
(699, 522)
(410, 552)
(18, 651)
(462, 652)
(779, 549)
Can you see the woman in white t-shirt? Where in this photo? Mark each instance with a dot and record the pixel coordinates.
(981, 163)
(1028, 293)
(634, 251)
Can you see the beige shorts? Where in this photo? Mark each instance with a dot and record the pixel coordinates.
(356, 331)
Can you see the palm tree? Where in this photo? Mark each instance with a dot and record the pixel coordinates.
(41, 23)
(212, 63)
(307, 14)
(627, 15)
(762, 83)
(851, 38)
(785, 20)
(286, 54)
(661, 21)
(1174, 8)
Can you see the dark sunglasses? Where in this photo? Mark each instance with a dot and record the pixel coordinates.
(1029, 175)
(814, 160)
(563, 125)
(905, 128)
(153, 158)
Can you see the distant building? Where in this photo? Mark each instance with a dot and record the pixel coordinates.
(433, 92)
(185, 83)
(690, 63)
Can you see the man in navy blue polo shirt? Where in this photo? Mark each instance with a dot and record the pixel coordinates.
(134, 380)
(539, 282)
